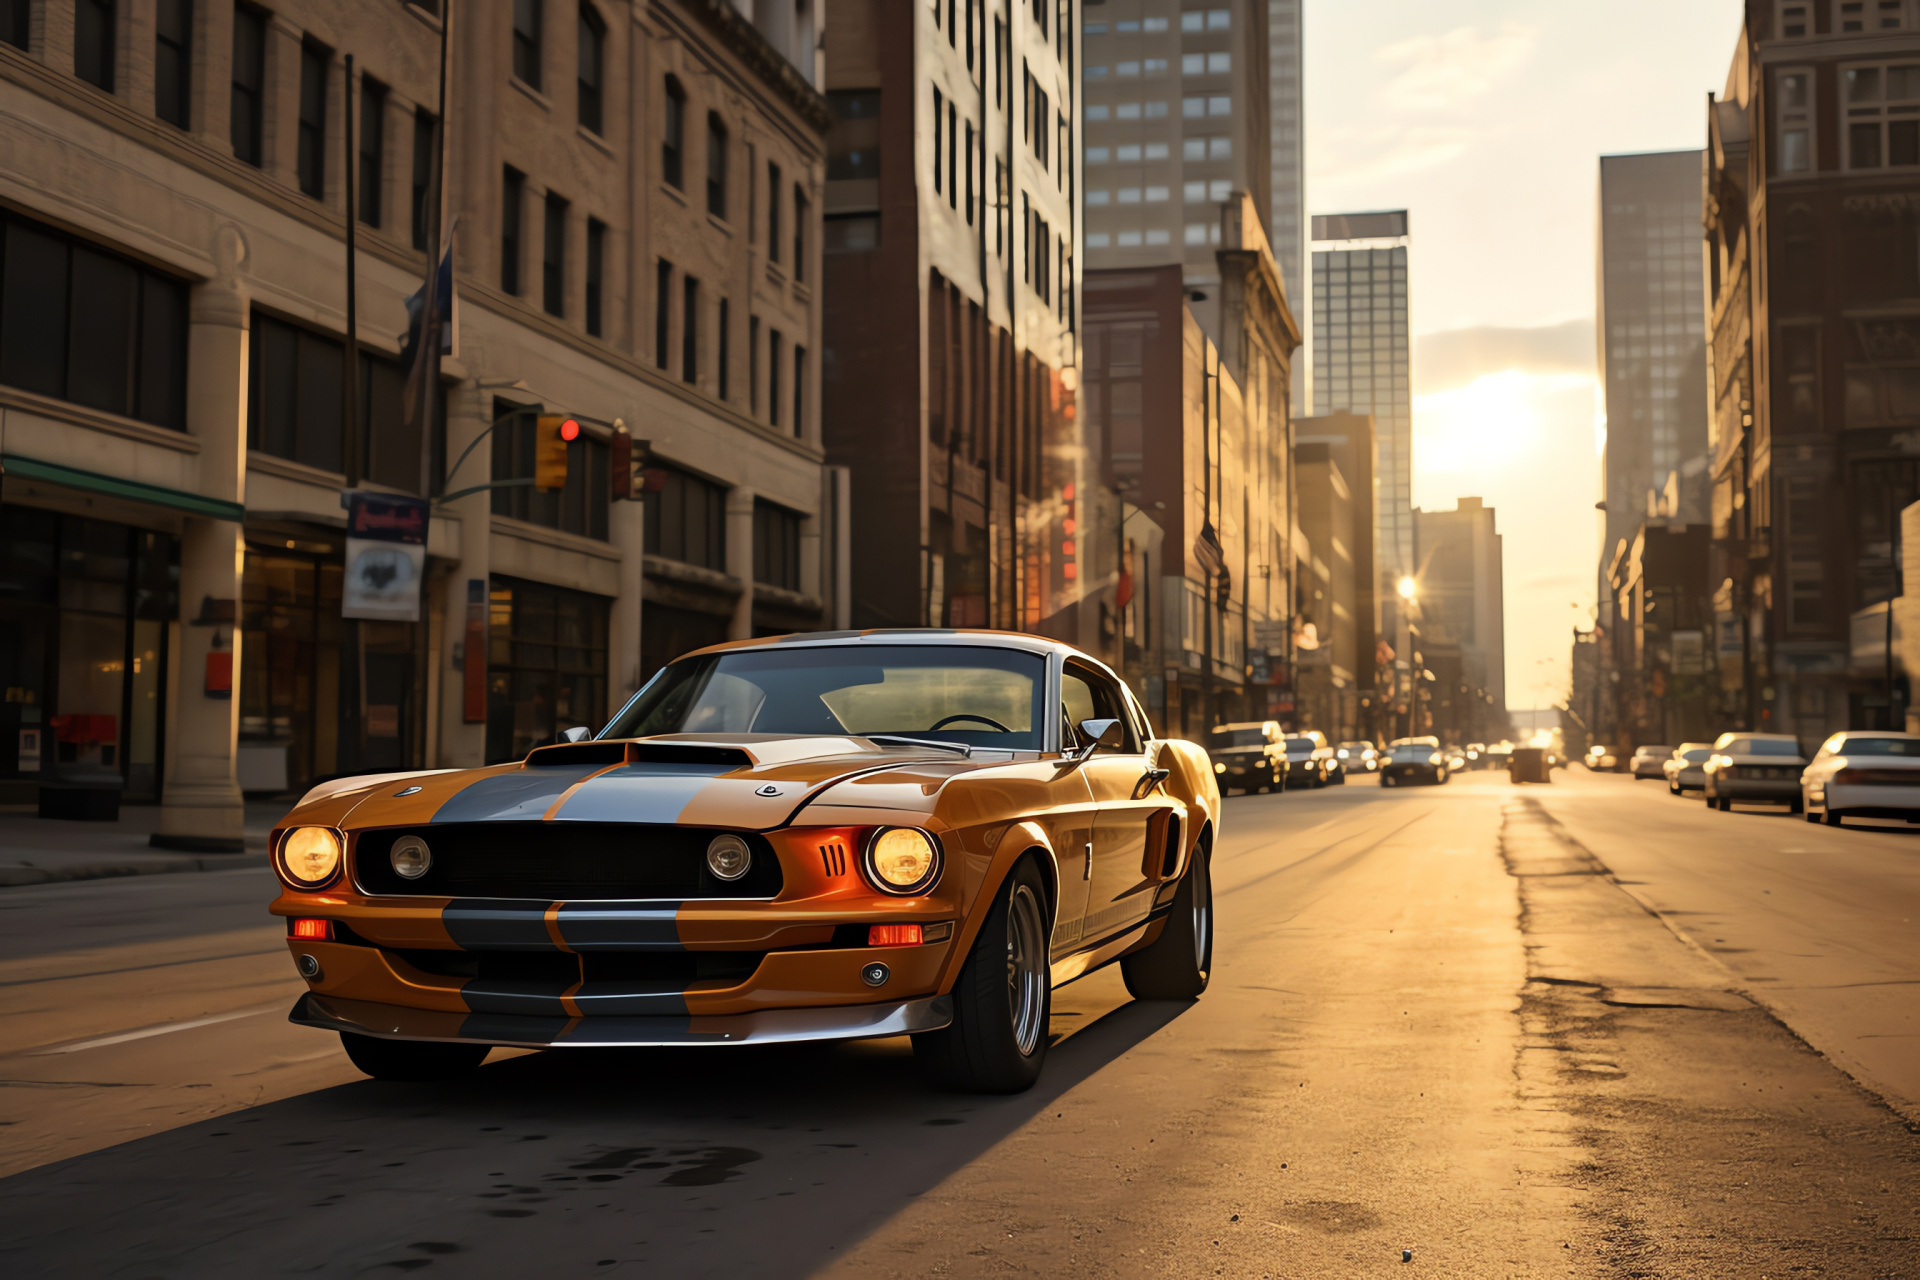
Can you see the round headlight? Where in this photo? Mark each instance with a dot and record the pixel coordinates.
(728, 857)
(310, 855)
(410, 857)
(902, 860)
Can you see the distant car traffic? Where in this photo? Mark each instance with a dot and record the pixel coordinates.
(1685, 768)
(1602, 759)
(1498, 754)
(1759, 768)
(1863, 775)
(1647, 761)
(1248, 755)
(1476, 755)
(1456, 759)
(1530, 764)
(1310, 761)
(1411, 761)
(1358, 757)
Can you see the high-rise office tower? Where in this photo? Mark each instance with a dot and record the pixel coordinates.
(1652, 338)
(1360, 359)
(1286, 146)
(1176, 122)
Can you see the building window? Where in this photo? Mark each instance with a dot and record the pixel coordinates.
(16, 22)
(1870, 15)
(689, 329)
(799, 389)
(1883, 115)
(526, 42)
(1793, 120)
(1796, 20)
(686, 518)
(673, 135)
(593, 39)
(662, 311)
(89, 327)
(296, 383)
(800, 206)
(773, 212)
(546, 665)
(596, 275)
(776, 546)
(172, 59)
(580, 507)
(970, 196)
(93, 44)
(722, 347)
(423, 142)
(753, 364)
(373, 149)
(716, 165)
(311, 162)
(939, 146)
(513, 193)
(553, 258)
(953, 159)
(773, 377)
(249, 79)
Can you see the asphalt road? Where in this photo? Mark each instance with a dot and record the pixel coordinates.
(1578, 1030)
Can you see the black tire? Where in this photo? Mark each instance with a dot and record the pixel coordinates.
(1813, 815)
(1723, 803)
(412, 1059)
(1002, 999)
(1179, 963)
(1833, 818)
(1794, 805)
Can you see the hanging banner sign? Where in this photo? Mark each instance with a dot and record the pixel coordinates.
(386, 557)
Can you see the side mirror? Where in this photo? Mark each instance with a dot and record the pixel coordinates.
(579, 733)
(1101, 733)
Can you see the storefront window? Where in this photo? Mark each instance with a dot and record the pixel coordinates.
(546, 665)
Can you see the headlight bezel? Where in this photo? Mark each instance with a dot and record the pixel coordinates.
(870, 869)
(426, 860)
(302, 883)
(746, 858)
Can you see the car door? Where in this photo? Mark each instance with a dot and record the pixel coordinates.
(1121, 878)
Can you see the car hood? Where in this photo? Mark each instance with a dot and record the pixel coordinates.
(746, 781)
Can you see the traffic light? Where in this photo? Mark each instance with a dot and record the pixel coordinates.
(552, 435)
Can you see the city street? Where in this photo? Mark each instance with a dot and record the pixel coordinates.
(1478, 1030)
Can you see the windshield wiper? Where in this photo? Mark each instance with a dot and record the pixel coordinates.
(961, 747)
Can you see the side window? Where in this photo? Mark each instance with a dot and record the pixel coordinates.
(1087, 695)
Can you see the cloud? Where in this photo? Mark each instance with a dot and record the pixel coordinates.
(1457, 357)
(1440, 72)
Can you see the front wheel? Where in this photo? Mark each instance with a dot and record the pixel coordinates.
(1177, 964)
(1723, 803)
(1002, 999)
(412, 1059)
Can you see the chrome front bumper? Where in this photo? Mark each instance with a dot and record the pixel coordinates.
(771, 1026)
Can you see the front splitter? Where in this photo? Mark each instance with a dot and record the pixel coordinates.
(769, 1026)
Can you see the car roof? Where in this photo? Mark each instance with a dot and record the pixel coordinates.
(1694, 746)
(1879, 733)
(971, 637)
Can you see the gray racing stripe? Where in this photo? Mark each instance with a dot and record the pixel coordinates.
(523, 999)
(652, 793)
(498, 924)
(523, 796)
(631, 999)
(620, 926)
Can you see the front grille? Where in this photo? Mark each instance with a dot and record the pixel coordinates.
(588, 966)
(561, 862)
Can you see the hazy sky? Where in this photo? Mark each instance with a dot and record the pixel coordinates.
(1485, 119)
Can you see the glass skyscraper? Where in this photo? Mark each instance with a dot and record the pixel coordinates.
(1360, 361)
(1286, 150)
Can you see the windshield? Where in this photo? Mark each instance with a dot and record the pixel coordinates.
(1880, 747)
(1414, 753)
(1239, 737)
(1761, 747)
(1356, 746)
(1698, 756)
(1301, 746)
(981, 696)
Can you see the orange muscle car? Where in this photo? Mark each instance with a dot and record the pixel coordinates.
(818, 837)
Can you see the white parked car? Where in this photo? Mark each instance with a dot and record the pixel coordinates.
(1685, 768)
(1647, 760)
(1864, 774)
(1762, 768)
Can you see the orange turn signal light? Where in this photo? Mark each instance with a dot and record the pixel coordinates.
(893, 935)
(323, 929)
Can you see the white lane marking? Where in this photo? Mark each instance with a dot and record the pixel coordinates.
(161, 1030)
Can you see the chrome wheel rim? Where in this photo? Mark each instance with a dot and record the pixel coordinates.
(1026, 969)
(1202, 915)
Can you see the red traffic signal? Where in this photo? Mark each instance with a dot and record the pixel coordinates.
(569, 430)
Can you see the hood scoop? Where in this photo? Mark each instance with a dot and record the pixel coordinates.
(600, 754)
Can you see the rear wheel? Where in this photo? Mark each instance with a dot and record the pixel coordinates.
(1795, 805)
(1177, 965)
(1812, 816)
(1833, 818)
(1723, 804)
(1002, 999)
(412, 1059)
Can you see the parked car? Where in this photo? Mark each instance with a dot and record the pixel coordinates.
(1863, 774)
(1685, 768)
(1250, 755)
(1758, 768)
(1358, 757)
(1412, 761)
(1602, 759)
(810, 838)
(1476, 755)
(1310, 761)
(1647, 761)
(1456, 759)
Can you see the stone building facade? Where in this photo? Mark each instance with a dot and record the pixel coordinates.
(635, 193)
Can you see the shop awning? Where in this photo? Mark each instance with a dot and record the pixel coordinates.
(93, 482)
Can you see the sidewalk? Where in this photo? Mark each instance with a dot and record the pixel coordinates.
(36, 850)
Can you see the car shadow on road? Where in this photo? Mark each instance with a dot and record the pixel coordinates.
(739, 1162)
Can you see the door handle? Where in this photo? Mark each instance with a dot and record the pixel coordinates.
(1148, 781)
